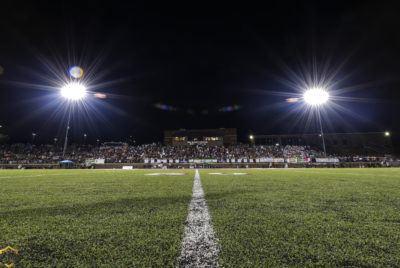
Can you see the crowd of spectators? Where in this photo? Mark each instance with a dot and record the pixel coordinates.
(36, 154)
(122, 153)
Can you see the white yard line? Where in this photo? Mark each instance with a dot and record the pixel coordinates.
(199, 246)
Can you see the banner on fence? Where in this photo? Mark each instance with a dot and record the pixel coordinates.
(326, 160)
(99, 161)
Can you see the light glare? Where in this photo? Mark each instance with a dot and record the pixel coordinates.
(316, 96)
(76, 71)
(73, 91)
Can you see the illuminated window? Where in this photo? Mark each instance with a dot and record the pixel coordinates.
(211, 138)
(179, 138)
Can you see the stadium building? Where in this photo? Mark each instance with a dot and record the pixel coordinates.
(212, 137)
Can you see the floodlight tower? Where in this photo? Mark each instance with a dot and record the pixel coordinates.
(72, 92)
(316, 97)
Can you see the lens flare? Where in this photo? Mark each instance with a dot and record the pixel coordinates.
(76, 71)
(73, 91)
(100, 95)
(164, 107)
(291, 100)
(228, 109)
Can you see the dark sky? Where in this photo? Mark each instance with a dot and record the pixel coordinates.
(197, 58)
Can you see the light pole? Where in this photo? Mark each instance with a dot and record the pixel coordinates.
(72, 92)
(66, 134)
(322, 132)
(317, 97)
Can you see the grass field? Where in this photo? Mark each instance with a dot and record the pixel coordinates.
(301, 217)
(93, 218)
(284, 218)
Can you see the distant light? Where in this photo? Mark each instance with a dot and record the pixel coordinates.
(100, 95)
(316, 96)
(277, 144)
(76, 71)
(292, 100)
(73, 91)
(387, 133)
(251, 137)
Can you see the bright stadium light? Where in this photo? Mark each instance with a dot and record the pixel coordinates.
(316, 96)
(387, 133)
(73, 91)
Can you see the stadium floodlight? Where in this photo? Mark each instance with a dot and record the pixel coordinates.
(316, 97)
(387, 133)
(72, 92)
(251, 137)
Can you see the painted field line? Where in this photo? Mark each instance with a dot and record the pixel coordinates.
(199, 246)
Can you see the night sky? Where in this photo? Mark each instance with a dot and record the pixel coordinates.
(197, 65)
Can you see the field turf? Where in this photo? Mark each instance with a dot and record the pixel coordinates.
(92, 218)
(306, 217)
(270, 218)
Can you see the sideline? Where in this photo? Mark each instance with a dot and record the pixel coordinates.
(199, 246)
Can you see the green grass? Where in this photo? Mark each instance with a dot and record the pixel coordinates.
(303, 218)
(92, 218)
(272, 218)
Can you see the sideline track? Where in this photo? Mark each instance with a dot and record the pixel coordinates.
(199, 246)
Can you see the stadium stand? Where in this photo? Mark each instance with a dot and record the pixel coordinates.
(112, 153)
